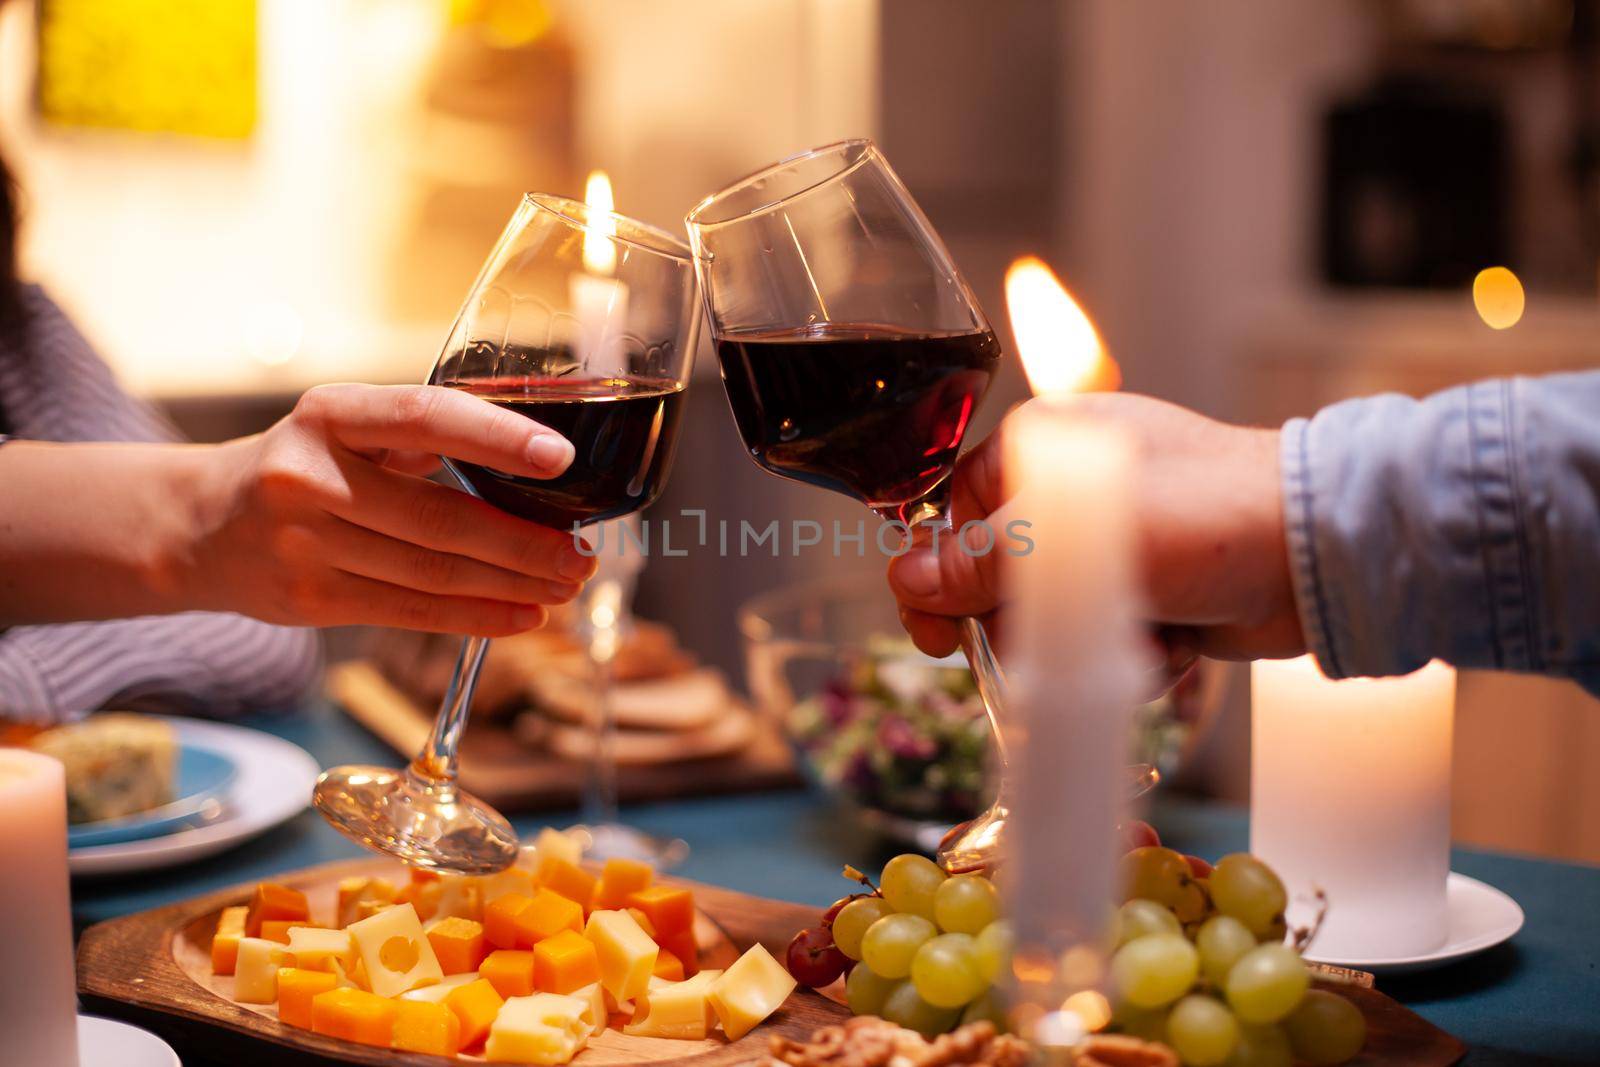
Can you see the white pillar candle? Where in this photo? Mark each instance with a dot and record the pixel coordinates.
(600, 306)
(38, 994)
(1074, 670)
(1350, 793)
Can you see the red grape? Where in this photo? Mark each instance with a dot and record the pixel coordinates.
(1198, 867)
(1138, 834)
(813, 959)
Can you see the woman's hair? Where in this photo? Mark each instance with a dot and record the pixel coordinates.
(10, 301)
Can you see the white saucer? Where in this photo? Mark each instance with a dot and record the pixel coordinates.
(108, 1043)
(273, 785)
(1480, 917)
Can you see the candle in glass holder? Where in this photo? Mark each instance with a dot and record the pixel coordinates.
(1074, 671)
(1350, 794)
(38, 993)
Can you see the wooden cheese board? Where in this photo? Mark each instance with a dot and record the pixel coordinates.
(499, 765)
(153, 969)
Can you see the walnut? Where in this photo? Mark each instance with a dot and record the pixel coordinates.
(867, 1041)
(1120, 1050)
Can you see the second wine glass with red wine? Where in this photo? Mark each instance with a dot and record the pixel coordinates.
(585, 321)
(854, 355)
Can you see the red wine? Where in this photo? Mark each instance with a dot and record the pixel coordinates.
(870, 411)
(623, 434)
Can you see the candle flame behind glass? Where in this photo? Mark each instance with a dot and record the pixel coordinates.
(1060, 349)
(599, 252)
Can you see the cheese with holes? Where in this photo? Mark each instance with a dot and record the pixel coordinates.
(357, 891)
(675, 1009)
(595, 1014)
(749, 991)
(315, 949)
(395, 951)
(627, 955)
(546, 1028)
(255, 977)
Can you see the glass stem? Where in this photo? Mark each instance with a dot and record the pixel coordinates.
(437, 760)
(605, 636)
(930, 525)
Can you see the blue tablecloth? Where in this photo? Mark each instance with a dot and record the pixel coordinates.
(1535, 1000)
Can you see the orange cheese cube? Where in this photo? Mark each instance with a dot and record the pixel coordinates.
(278, 929)
(273, 901)
(682, 945)
(565, 962)
(669, 910)
(475, 1005)
(620, 879)
(354, 1015)
(420, 875)
(546, 915)
(668, 966)
(500, 919)
(510, 971)
(568, 879)
(458, 943)
(225, 942)
(296, 989)
(423, 1027)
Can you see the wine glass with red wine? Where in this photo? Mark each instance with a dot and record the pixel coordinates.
(854, 356)
(585, 321)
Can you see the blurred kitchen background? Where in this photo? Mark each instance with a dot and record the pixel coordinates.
(1264, 207)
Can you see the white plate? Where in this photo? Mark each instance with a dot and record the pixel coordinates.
(108, 1043)
(1480, 917)
(273, 785)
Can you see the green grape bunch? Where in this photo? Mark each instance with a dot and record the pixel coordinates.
(1198, 960)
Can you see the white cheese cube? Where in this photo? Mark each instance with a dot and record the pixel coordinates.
(435, 994)
(255, 977)
(546, 1029)
(675, 1009)
(315, 949)
(552, 842)
(749, 991)
(396, 953)
(627, 954)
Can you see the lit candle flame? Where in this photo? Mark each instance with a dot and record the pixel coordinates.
(599, 252)
(1498, 296)
(1060, 350)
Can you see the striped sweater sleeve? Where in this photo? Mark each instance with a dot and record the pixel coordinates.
(53, 387)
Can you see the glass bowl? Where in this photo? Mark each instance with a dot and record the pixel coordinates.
(900, 734)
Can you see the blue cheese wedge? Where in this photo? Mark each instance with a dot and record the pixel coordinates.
(117, 764)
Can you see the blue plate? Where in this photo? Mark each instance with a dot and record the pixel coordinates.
(203, 776)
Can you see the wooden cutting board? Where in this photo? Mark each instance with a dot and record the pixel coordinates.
(153, 969)
(513, 776)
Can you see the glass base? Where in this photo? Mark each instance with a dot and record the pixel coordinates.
(425, 822)
(607, 841)
(976, 844)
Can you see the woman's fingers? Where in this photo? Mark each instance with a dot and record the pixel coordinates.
(351, 598)
(373, 419)
(357, 550)
(436, 517)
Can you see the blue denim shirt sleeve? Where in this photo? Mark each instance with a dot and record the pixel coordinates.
(1463, 527)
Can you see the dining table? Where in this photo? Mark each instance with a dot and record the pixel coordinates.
(1533, 1000)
